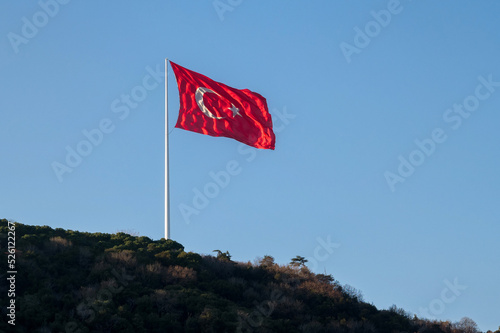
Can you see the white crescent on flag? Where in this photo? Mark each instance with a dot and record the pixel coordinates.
(199, 100)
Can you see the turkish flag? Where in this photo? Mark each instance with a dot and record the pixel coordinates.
(213, 108)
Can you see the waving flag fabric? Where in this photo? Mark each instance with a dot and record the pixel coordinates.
(213, 108)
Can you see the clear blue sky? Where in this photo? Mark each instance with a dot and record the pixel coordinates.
(386, 118)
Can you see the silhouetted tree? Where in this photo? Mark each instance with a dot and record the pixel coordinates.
(298, 261)
(225, 256)
(467, 325)
(267, 261)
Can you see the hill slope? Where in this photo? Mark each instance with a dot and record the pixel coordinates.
(69, 281)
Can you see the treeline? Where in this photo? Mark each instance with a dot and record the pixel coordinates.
(70, 281)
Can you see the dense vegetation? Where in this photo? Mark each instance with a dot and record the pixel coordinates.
(70, 281)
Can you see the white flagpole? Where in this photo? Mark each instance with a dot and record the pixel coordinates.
(167, 202)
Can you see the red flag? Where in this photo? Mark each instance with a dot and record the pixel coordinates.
(212, 108)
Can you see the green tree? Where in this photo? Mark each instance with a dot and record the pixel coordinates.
(267, 261)
(298, 261)
(224, 256)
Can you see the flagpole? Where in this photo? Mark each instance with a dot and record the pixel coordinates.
(167, 190)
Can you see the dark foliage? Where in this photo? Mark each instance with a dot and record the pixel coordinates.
(70, 281)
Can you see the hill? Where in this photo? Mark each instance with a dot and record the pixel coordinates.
(70, 281)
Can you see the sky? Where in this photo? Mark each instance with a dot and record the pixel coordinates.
(386, 118)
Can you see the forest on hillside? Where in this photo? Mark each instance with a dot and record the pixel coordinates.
(71, 281)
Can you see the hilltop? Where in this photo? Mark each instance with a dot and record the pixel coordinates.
(71, 281)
